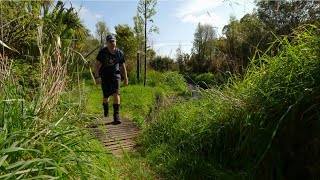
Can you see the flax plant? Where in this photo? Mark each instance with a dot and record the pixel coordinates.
(44, 137)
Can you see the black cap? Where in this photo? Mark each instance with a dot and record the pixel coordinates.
(110, 38)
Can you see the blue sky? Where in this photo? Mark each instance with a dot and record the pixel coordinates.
(176, 19)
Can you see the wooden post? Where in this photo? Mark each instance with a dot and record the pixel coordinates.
(138, 67)
(145, 42)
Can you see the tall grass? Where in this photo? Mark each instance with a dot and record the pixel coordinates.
(44, 136)
(265, 126)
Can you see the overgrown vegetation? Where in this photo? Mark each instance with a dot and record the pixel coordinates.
(257, 119)
(265, 126)
(42, 124)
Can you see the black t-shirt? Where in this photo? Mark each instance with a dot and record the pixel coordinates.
(110, 62)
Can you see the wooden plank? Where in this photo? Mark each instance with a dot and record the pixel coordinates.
(113, 137)
(105, 141)
(117, 146)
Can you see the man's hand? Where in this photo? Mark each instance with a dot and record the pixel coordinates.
(125, 82)
(98, 80)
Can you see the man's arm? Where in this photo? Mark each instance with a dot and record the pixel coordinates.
(124, 74)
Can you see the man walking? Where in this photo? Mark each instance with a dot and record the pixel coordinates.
(110, 63)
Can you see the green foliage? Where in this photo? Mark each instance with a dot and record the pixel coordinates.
(19, 29)
(248, 37)
(101, 31)
(86, 74)
(172, 82)
(146, 9)
(247, 129)
(161, 63)
(202, 48)
(182, 59)
(49, 145)
(127, 42)
(41, 120)
(27, 75)
(244, 38)
(139, 102)
(205, 80)
(282, 17)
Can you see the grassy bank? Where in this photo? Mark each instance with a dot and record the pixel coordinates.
(138, 103)
(265, 126)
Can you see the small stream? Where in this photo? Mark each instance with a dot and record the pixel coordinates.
(195, 91)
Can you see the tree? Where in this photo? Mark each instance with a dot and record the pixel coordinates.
(162, 63)
(139, 30)
(203, 47)
(92, 48)
(254, 37)
(283, 16)
(179, 58)
(127, 42)
(243, 39)
(182, 59)
(146, 9)
(102, 30)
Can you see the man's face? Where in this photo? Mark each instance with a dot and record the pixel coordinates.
(112, 44)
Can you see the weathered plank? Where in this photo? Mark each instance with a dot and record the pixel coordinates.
(115, 137)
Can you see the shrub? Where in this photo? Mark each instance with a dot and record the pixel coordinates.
(162, 63)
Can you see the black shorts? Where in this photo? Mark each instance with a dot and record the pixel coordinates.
(110, 87)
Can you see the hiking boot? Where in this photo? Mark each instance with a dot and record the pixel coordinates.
(105, 110)
(116, 119)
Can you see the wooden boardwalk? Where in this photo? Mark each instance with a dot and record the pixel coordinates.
(115, 138)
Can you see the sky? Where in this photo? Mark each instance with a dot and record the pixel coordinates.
(177, 20)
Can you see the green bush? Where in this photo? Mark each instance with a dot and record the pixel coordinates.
(86, 74)
(171, 81)
(205, 80)
(162, 63)
(26, 74)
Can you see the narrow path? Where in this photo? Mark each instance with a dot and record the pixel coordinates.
(121, 137)
(115, 138)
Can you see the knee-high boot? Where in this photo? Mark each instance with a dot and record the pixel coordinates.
(105, 109)
(116, 117)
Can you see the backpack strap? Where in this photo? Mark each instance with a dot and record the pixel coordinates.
(117, 66)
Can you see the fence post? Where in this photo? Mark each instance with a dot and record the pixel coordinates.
(138, 67)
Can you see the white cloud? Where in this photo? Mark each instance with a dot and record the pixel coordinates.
(204, 18)
(213, 12)
(159, 45)
(199, 11)
(197, 6)
(89, 18)
(98, 16)
(86, 15)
